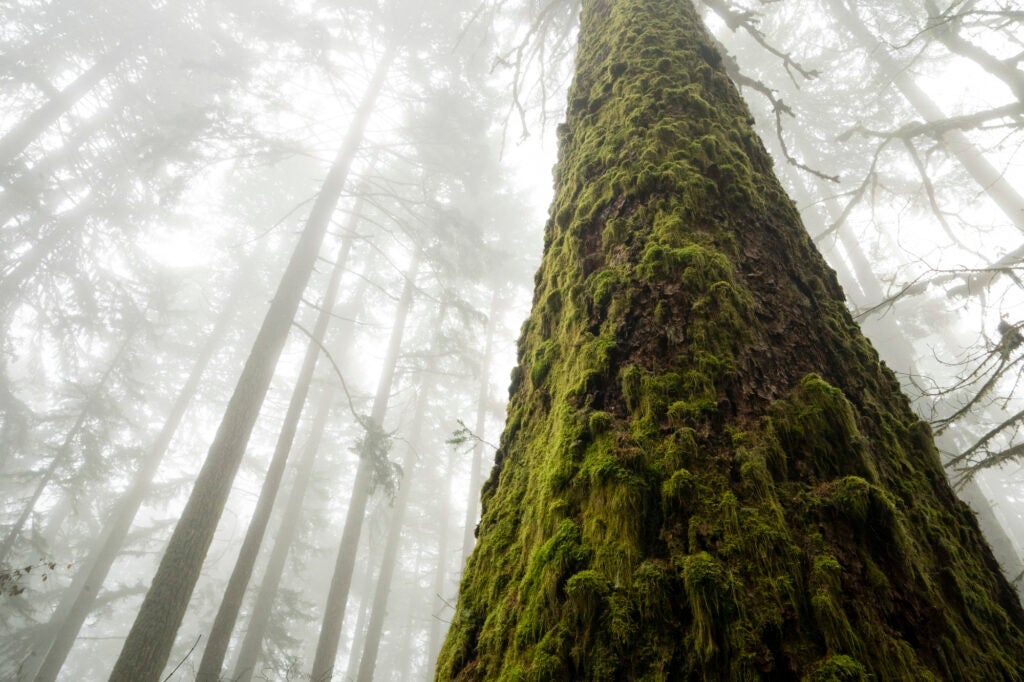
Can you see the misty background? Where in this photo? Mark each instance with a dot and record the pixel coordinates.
(160, 161)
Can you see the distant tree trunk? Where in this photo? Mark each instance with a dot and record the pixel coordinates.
(63, 453)
(249, 651)
(483, 404)
(389, 557)
(35, 124)
(224, 622)
(151, 638)
(437, 600)
(955, 142)
(80, 598)
(341, 579)
(706, 472)
(359, 631)
(946, 29)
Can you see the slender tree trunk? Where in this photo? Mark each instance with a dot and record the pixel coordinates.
(946, 31)
(389, 558)
(483, 403)
(151, 638)
(441, 570)
(706, 472)
(35, 124)
(78, 602)
(224, 622)
(341, 579)
(63, 453)
(359, 631)
(249, 651)
(990, 180)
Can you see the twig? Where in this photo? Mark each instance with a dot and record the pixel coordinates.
(182, 661)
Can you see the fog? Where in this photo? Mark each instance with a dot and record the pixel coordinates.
(263, 267)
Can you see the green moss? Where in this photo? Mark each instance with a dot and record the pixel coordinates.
(817, 424)
(706, 589)
(839, 669)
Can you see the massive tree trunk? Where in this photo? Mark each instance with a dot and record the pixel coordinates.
(149, 642)
(706, 472)
(76, 605)
(224, 622)
(341, 578)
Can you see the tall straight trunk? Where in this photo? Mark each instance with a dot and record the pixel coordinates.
(35, 124)
(66, 622)
(483, 401)
(224, 622)
(359, 631)
(706, 472)
(946, 30)
(437, 599)
(249, 651)
(985, 175)
(389, 557)
(149, 642)
(63, 453)
(341, 579)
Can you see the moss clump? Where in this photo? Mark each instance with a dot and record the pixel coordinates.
(599, 423)
(817, 425)
(839, 669)
(706, 590)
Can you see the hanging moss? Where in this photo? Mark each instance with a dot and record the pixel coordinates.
(706, 474)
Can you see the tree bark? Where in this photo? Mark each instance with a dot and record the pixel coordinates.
(78, 602)
(149, 642)
(224, 622)
(706, 472)
(341, 579)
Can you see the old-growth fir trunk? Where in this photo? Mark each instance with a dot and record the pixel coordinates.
(78, 602)
(224, 622)
(483, 402)
(706, 472)
(341, 578)
(152, 635)
(249, 650)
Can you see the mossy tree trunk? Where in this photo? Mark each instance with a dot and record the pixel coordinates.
(706, 472)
